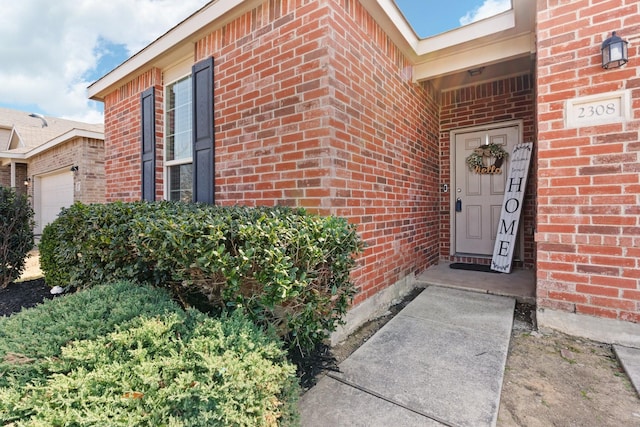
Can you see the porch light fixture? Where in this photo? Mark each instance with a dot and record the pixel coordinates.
(27, 182)
(475, 71)
(614, 52)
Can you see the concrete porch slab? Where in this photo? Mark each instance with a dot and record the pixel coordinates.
(519, 284)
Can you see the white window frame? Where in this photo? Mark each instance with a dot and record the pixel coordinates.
(169, 163)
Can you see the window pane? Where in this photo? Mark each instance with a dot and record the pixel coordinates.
(181, 182)
(179, 120)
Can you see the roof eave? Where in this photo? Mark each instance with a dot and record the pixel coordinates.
(182, 34)
(67, 136)
(419, 51)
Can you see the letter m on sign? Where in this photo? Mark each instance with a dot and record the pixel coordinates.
(511, 208)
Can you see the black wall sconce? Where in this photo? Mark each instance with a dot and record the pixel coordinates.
(614, 52)
(27, 182)
(74, 169)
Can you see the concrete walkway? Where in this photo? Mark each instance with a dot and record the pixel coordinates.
(630, 360)
(440, 361)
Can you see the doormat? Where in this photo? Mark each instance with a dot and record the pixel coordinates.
(472, 267)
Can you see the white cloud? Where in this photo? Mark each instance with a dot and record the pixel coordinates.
(50, 49)
(487, 9)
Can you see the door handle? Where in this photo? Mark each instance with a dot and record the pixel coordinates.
(458, 204)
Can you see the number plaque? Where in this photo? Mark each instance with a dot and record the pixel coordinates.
(598, 109)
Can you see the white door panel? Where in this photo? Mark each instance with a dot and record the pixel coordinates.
(481, 195)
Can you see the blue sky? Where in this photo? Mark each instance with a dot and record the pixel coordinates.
(432, 17)
(52, 50)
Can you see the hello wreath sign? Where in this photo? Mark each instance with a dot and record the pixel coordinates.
(487, 159)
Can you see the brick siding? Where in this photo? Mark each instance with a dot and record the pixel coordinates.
(21, 175)
(122, 124)
(87, 154)
(5, 176)
(588, 177)
(384, 150)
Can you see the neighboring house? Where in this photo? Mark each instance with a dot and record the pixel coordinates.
(337, 106)
(56, 162)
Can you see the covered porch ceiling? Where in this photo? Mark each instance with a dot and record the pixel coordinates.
(493, 48)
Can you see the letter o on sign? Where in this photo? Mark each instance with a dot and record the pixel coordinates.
(511, 207)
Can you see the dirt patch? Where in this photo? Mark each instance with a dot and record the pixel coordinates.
(552, 379)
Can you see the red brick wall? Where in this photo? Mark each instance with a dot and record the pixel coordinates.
(385, 150)
(315, 108)
(122, 110)
(487, 103)
(588, 177)
(273, 115)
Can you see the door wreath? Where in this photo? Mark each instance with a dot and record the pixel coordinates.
(487, 157)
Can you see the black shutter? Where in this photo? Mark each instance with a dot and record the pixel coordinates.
(149, 144)
(203, 136)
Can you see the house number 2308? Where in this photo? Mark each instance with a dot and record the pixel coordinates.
(596, 110)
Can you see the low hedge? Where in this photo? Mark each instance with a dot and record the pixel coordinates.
(287, 268)
(176, 368)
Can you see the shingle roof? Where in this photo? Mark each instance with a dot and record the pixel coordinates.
(31, 132)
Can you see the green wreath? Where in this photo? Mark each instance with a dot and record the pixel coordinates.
(476, 159)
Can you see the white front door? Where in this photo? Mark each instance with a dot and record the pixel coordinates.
(478, 196)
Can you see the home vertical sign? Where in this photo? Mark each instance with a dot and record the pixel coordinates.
(511, 208)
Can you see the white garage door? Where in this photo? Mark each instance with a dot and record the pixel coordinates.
(56, 192)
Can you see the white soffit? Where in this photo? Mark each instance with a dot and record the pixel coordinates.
(73, 133)
(400, 23)
(474, 56)
(497, 39)
(388, 15)
(484, 28)
(67, 136)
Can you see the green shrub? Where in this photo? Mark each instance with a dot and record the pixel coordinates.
(28, 338)
(181, 369)
(90, 244)
(285, 267)
(16, 234)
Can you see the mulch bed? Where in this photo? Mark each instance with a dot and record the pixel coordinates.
(21, 295)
